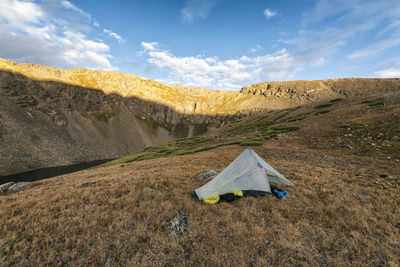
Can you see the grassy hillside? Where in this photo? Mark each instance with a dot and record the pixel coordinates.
(343, 211)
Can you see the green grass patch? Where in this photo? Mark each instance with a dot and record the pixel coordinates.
(104, 117)
(323, 105)
(322, 112)
(283, 128)
(257, 129)
(253, 138)
(280, 116)
(276, 129)
(182, 146)
(128, 158)
(200, 128)
(251, 143)
(248, 127)
(236, 142)
(263, 126)
(298, 117)
(335, 100)
(263, 123)
(294, 108)
(374, 102)
(151, 125)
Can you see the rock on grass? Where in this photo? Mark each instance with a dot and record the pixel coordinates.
(178, 225)
(4, 187)
(207, 175)
(19, 186)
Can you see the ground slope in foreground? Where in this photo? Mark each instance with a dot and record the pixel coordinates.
(344, 209)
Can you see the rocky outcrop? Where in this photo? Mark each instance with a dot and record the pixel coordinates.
(14, 187)
(4, 187)
(310, 91)
(19, 186)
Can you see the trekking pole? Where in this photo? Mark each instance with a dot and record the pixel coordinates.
(290, 216)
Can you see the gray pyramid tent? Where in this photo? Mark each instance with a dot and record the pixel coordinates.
(246, 172)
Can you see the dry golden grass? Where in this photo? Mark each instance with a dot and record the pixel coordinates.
(336, 215)
(343, 211)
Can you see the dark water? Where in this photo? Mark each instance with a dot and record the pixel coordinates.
(45, 173)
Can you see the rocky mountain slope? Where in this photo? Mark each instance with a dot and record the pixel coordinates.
(302, 92)
(46, 124)
(182, 99)
(51, 117)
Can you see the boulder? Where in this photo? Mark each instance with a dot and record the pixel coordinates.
(207, 175)
(147, 189)
(86, 183)
(19, 186)
(178, 225)
(366, 196)
(4, 187)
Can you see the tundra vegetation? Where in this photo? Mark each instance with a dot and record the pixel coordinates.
(343, 211)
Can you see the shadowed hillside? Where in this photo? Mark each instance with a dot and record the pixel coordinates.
(187, 100)
(52, 117)
(49, 123)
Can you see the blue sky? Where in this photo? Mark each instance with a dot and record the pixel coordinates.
(218, 44)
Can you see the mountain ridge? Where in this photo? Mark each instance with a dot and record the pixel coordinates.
(198, 100)
(187, 100)
(317, 90)
(52, 117)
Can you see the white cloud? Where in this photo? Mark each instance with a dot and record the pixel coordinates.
(256, 49)
(114, 35)
(20, 12)
(319, 62)
(268, 13)
(213, 72)
(196, 9)
(78, 51)
(376, 48)
(347, 34)
(351, 18)
(388, 73)
(149, 46)
(69, 5)
(40, 33)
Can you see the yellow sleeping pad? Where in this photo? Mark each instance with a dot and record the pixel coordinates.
(214, 200)
(238, 193)
(211, 200)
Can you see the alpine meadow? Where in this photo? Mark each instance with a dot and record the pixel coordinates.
(199, 133)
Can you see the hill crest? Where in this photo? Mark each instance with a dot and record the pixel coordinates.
(198, 100)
